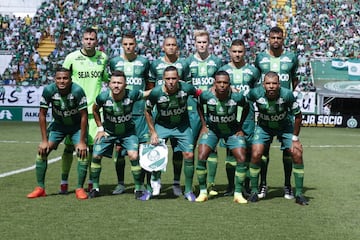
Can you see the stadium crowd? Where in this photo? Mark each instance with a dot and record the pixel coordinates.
(317, 28)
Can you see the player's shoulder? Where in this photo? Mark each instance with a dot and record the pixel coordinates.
(207, 94)
(185, 86)
(101, 55)
(50, 88)
(76, 88)
(142, 59)
(116, 59)
(72, 56)
(156, 90)
(286, 92)
(225, 67)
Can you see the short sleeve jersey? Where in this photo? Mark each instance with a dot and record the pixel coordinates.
(221, 115)
(286, 66)
(243, 78)
(65, 109)
(200, 73)
(137, 75)
(274, 114)
(171, 109)
(117, 115)
(88, 72)
(158, 66)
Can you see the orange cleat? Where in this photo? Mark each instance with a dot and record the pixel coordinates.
(38, 192)
(81, 194)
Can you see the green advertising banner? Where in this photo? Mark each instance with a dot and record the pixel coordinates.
(10, 114)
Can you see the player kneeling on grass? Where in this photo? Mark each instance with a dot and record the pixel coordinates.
(69, 110)
(276, 106)
(221, 107)
(118, 126)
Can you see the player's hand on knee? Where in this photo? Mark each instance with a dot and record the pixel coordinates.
(43, 149)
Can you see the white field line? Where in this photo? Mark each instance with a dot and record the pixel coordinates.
(21, 170)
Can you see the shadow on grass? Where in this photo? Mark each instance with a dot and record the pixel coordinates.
(278, 192)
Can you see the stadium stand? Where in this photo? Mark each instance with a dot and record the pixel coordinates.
(313, 28)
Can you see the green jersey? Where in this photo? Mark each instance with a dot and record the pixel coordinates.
(117, 115)
(88, 72)
(274, 114)
(171, 109)
(158, 66)
(286, 66)
(221, 115)
(200, 73)
(244, 78)
(65, 109)
(137, 75)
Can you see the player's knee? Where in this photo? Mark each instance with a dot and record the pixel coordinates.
(188, 155)
(133, 155)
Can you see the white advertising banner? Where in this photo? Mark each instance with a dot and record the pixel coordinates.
(15, 96)
(32, 115)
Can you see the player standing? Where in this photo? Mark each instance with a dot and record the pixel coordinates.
(201, 68)
(285, 63)
(88, 69)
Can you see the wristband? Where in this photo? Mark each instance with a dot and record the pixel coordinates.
(295, 138)
(100, 129)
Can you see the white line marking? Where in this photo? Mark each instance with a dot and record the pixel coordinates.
(59, 158)
(21, 170)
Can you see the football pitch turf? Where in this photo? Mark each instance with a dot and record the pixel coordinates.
(331, 157)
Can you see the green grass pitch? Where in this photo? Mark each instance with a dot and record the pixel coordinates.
(331, 184)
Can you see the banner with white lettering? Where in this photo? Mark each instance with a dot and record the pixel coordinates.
(343, 120)
(27, 96)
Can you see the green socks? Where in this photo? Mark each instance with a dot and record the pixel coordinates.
(212, 167)
(240, 176)
(136, 172)
(201, 173)
(254, 177)
(189, 174)
(82, 167)
(95, 171)
(66, 162)
(298, 170)
(41, 167)
(287, 162)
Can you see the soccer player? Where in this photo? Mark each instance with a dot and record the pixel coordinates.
(285, 63)
(136, 69)
(69, 110)
(277, 107)
(220, 122)
(243, 77)
(201, 68)
(157, 68)
(88, 69)
(172, 120)
(118, 125)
